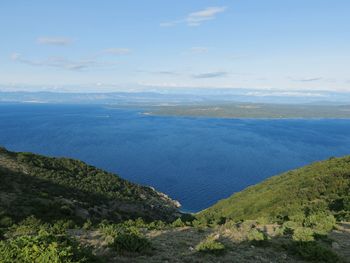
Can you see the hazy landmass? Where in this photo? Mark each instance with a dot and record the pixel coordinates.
(209, 103)
(254, 110)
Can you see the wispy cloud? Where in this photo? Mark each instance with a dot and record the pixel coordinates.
(209, 13)
(55, 41)
(199, 50)
(198, 17)
(57, 62)
(207, 75)
(161, 72)
(284, 94)
(116, 51)
(307, 79)
(71, 64)
(167, 72)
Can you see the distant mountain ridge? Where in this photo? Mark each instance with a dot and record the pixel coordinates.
(184, 96)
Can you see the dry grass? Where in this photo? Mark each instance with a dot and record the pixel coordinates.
(178, 245)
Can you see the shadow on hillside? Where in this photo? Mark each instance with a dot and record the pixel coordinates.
(22, 195)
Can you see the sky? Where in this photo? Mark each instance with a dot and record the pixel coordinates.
(271, 45)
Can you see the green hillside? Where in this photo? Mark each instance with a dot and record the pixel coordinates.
(56, 188)
(63, 210)
(322, 187)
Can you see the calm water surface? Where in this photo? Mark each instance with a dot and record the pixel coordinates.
(194, 160)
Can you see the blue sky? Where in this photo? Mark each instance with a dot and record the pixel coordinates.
(289, 45)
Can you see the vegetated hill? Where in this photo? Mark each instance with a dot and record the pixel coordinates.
(60, 188)
(322, 187)
(63, 210)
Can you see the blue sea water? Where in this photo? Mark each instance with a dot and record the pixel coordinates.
(197, 161)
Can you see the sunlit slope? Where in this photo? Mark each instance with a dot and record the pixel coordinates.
(320, 187)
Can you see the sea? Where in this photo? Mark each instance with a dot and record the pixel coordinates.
(196, 161)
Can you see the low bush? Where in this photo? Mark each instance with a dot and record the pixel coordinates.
(109, 232)
(312, 251)
(303, 234)
(87, 225)
(29, 226)
(61, 226)
(43, 248)
(321, 223)
(131, 241)
(211, 246)
(255, 235)
(178, 223)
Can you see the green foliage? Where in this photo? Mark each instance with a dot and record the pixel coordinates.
(303, 234)
(59, 188)
(61, 226)
(28, 226)
(199, 224)
(158, 225)
(87, 225)
(6, 221)
(43, 248)
(288, 227)
(320, 188)
(109, 231)
(256, 235)
(211, 245)
(312, 251)
(131, 241)
(321, 223)
(178, 223)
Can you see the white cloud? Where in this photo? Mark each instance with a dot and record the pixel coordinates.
(209, 13)
(198, 17)
(54, 41)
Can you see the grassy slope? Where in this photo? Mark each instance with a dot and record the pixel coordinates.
(322, 186)
(57, 188)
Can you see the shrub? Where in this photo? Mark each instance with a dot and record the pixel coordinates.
(131, 241)
(178, 223)
(43, 247)
(312, 251)
(87, 225)
(29, 226)
(289, 226)
(211, 245)
(61, 226)
(304, 234)
(109, 232)
(256, 235)
(321, 223)
(158, 224)
(200, 225)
